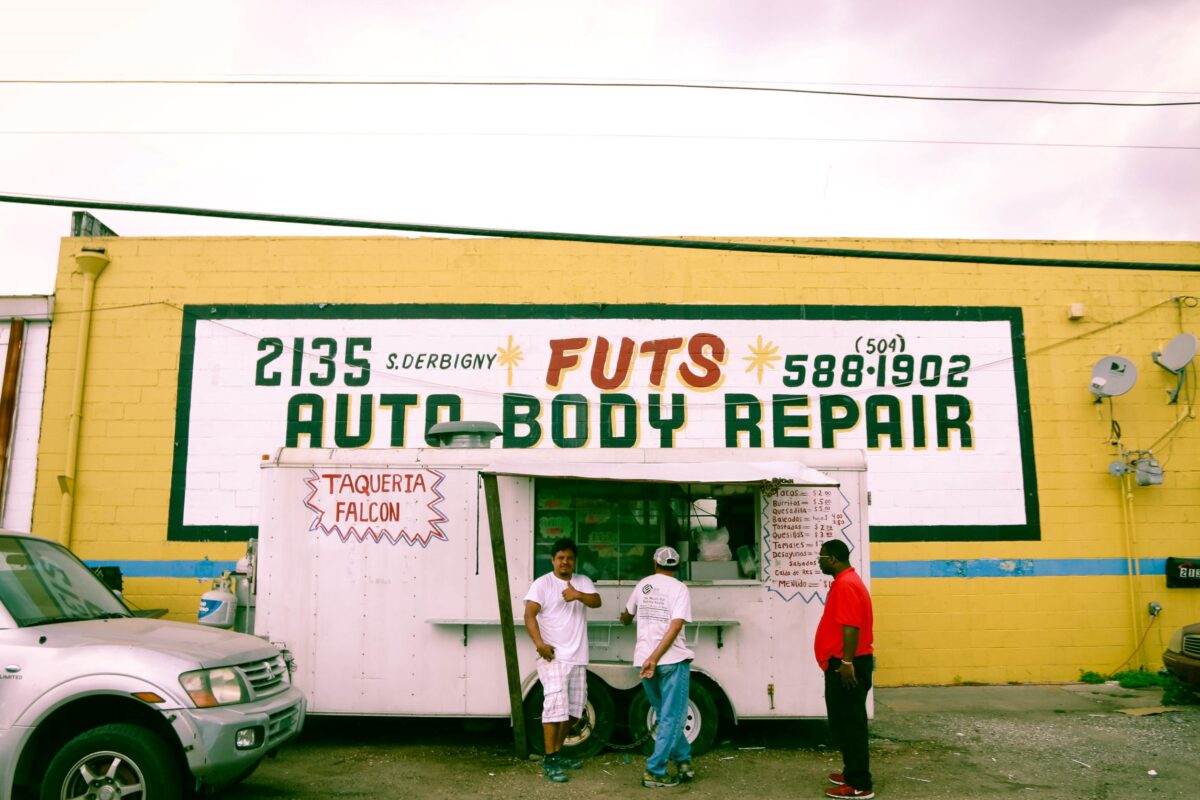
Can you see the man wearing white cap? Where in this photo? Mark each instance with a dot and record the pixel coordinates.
(661, 604)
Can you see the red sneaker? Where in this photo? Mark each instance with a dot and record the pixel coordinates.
(845, 790)
(837, 779)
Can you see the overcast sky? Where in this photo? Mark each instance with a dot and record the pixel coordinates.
(604, 160)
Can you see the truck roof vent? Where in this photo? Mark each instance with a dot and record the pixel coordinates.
(462, 435)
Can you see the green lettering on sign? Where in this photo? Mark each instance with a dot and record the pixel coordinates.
(399, 404)
(558, 416)
(433, 412)
(832, 422)
(953, 414)
(609, 403)
(298, 426)
(783, 421)
(342, 437)
(884, 419)
(667, 426)
(522, 410)
(737, 424)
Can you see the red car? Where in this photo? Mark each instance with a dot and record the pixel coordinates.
(1182, 656)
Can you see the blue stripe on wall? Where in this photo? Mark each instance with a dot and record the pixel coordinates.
(964, 568)
(1014, 568)
(203, 570)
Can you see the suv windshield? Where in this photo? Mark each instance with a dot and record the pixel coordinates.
(42, 583)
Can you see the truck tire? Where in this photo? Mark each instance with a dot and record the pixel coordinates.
(594, 729)
(700, 728)
(133, 762)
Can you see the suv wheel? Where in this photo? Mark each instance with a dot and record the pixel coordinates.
(110, 762)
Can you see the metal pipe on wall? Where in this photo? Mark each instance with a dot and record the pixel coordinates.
(1131, 564)
(8, 401)
(91, 262)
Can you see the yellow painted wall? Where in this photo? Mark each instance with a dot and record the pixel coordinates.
(928, 629)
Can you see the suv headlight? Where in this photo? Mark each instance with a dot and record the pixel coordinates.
(214, 687)
(1176, 643)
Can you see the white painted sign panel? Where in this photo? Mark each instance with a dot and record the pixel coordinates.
(937, 397)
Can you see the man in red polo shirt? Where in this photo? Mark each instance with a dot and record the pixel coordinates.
(844, 651)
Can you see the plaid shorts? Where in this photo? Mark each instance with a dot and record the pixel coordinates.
(564, 687)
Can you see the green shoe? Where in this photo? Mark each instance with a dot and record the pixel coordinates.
(566, 762)
(652, 781)
(686, 771)
(553, 772)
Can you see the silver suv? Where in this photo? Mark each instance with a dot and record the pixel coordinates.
(98, 703)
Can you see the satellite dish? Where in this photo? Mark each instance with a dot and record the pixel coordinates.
(1175, 358)
(1112, 376)
(1178, 353)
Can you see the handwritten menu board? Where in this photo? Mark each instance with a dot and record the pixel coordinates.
(796, 520)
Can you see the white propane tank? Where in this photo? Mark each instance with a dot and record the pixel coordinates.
(243, 576)
(243, 588)
(218, 605)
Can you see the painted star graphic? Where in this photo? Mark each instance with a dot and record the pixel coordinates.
(510, 357)
(762, 357)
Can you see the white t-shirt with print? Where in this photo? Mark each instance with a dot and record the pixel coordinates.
(655, 601)
(563, 624)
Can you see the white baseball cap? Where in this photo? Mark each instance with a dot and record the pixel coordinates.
(666, 557)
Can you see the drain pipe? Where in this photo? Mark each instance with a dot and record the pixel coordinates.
(91, 262)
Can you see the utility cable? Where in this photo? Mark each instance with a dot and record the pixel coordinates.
(635, 241)
(576, 84)
(197, 312)
(1137, 649)
(646, 136)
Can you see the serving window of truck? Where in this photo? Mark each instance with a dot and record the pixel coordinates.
(618, 526)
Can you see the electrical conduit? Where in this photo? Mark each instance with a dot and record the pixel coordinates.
(1131, 565)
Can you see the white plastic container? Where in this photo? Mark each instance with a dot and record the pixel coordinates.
(218, 605)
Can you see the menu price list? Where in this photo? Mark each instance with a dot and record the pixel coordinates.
(800, 519)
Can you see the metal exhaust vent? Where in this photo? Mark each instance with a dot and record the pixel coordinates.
(464, 435)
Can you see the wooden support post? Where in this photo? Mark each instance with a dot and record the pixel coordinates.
(8, 400)
(491, 492)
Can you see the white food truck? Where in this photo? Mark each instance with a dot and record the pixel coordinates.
(375, 568)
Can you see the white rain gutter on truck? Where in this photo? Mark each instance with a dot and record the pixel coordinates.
(785, 472)
(769, 472)
(615, 464)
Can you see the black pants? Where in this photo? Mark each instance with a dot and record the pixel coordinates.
(847, 709)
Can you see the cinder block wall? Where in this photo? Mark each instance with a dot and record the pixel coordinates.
(941, 628)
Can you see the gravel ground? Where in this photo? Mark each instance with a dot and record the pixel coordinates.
(927, 742)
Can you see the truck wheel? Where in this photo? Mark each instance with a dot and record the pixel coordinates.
(589, 736)
(113, 761)
(700, 727)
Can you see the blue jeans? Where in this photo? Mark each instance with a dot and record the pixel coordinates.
(667, 692)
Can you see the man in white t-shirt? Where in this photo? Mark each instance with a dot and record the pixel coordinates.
(661, 604)
(556, 619)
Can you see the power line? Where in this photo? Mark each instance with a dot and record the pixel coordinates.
(633, 241)
(399, 380)
(730, 82)
(575, 84)
(983, 88)
(669, 136)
